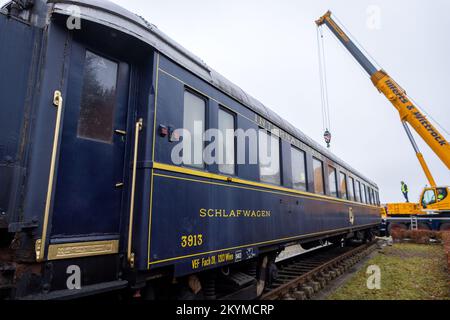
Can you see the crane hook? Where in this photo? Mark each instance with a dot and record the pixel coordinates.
(327, 137)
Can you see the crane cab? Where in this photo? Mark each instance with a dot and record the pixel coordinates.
(435, 199)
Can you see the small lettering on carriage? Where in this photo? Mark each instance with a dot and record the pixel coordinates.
(238, 213)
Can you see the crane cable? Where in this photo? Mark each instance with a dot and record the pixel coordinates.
(326, 119)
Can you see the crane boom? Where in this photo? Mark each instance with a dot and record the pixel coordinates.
(408, 111)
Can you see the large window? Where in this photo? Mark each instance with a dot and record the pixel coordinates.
(298, 169)
(358, 191)
(226, 146)
(98, 99)
(343, 184)
(332, 181)
(318, 176)
(351, 189)
(194, 123)
(269, 158)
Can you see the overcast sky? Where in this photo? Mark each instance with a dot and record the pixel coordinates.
(269, 49)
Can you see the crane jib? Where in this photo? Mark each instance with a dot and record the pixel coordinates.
(429, 128)
(419, 116)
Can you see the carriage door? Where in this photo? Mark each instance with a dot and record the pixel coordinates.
(90, 183)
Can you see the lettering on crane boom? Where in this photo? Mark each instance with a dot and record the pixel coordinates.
(420, 117)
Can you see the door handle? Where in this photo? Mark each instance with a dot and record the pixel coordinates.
(121, 132)
(138, 129)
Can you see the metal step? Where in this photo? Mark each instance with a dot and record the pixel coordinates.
(241, 279)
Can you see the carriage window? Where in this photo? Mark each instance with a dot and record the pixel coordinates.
(298, 169)
(358, 191)
(269, 158)
(332, 181)
(318, 176)
(226, 142)
(343, 184)
(98, 99)
(363, 194)
(194, 123)
(371, 196)
(351, 189)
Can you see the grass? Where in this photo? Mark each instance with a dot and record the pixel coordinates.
(408, 272)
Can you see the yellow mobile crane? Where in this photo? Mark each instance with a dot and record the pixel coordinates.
(434, 200)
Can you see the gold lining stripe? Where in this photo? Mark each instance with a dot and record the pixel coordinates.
(258, 244)
(82, 249)
(213, 176)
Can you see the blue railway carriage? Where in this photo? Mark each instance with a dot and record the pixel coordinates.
(92, 195)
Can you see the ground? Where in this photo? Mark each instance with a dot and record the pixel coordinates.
(408, 272)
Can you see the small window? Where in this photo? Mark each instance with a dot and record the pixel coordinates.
(358, 191)
(351, 189)
(343, 184)
(269, 158)
(194, 123)
(332, 181)
(371, 196)
(441, 194)
(226, 142)
(318, 176)
(98, 99)
(366, 194)
(298, 169)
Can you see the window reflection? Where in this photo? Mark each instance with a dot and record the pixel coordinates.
(98, 99)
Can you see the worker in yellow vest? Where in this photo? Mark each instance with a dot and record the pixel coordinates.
(405, 191)
(441, 194)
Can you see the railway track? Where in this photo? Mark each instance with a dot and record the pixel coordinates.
(302, 276)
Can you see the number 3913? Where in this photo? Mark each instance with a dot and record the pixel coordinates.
(191, 240)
